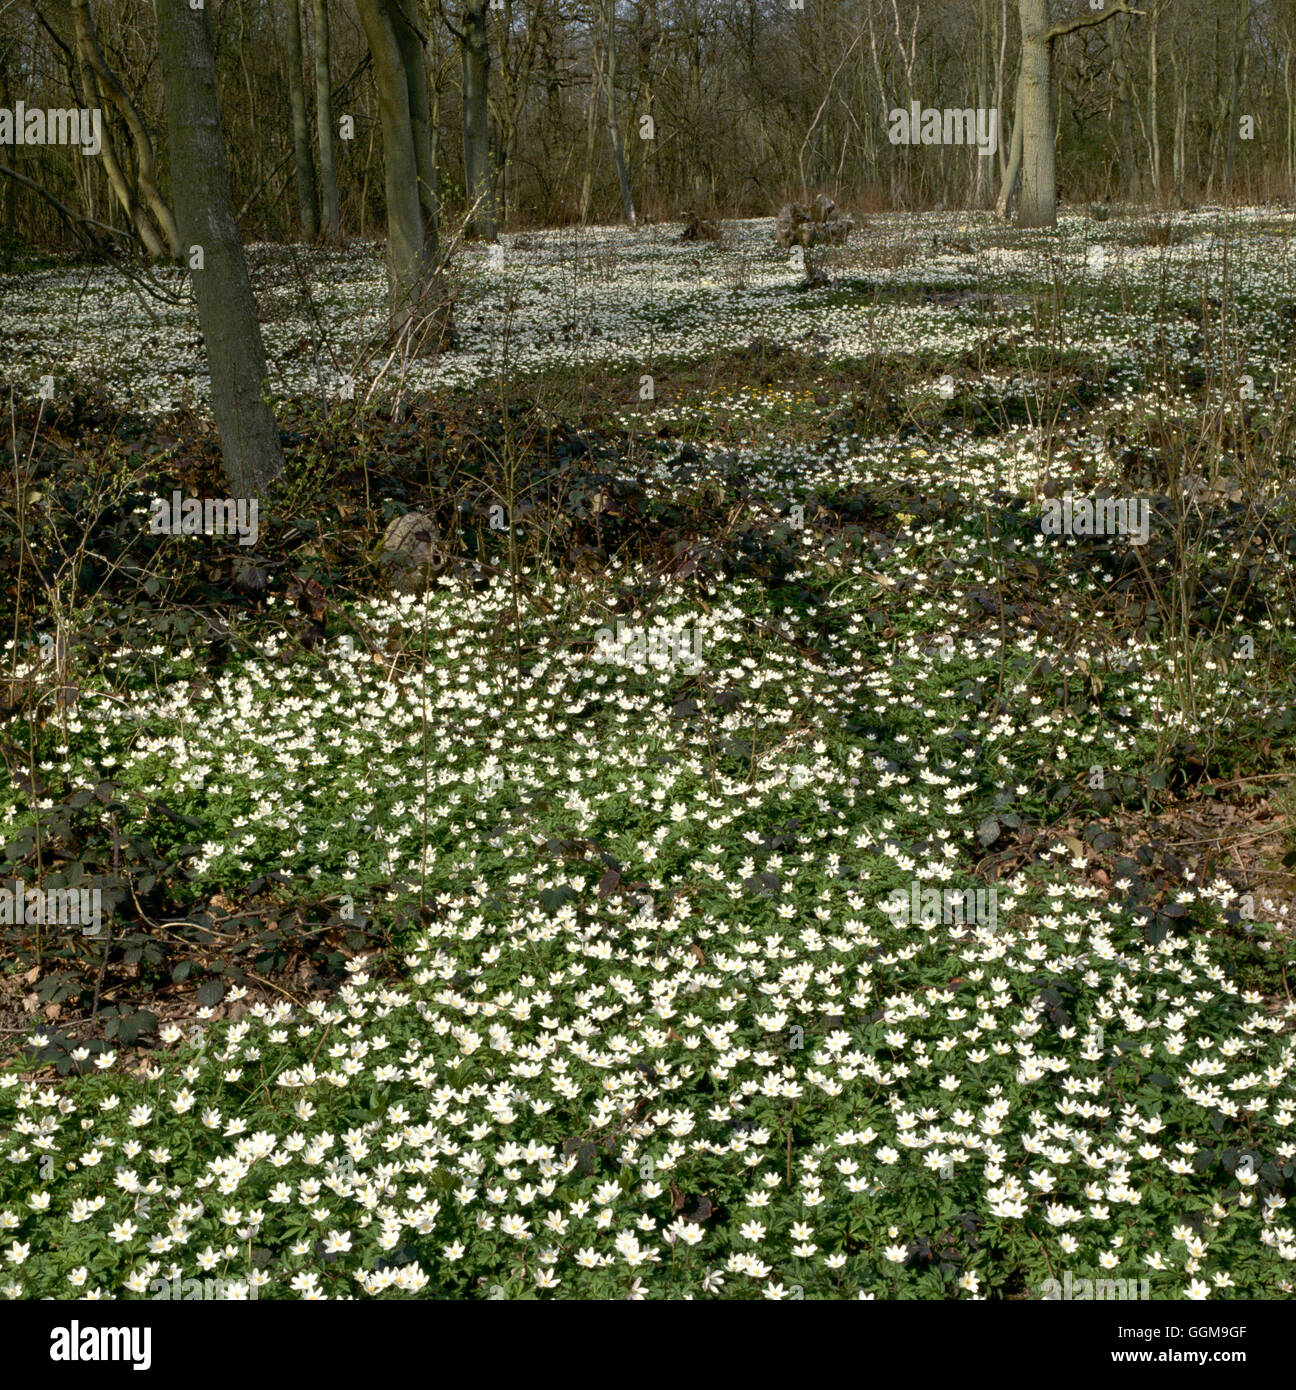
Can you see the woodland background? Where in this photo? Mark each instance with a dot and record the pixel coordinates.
(750, 102)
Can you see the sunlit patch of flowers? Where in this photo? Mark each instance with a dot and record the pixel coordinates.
(608, 297)
(697, 1059)
(539, 1104)
(661, 1038)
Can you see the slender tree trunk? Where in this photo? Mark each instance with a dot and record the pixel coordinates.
(306, 193)
(883, 99)
(145, 162)
(982, 168)
(331, 213)
(1130, 112)
(607, 73)
(409, 258)
(475, 52)
(127, 194)
(1291, 119)
(504, 122)
(1179, 157)
(999, 86)
(591, 125)
(1154, 115)
(1235, 88)
(1220, 112)
(227, 311)
(9, 197)
(1009, 186)
(434, 96)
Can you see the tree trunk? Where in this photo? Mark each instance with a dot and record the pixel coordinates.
(227, 311)
(144, 159)
(982, 168)
(409, 257)
(1038, 203)
(306, 194)
(331, 215)
(1014, 159)
(608, 72)
(591, 125)
(127, 194)
(1130, 112)
(1287, 97)
(1235, 87)
(999, 85)
(1291, 120)
(434, 96)
(1038, 206)
(504, 113)
(1179, 156)
(474, 48)
(882, 98)
(1154, 134)
(9, 195)
(410, 42)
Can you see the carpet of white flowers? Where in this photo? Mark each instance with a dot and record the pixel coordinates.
(573, 1073)
(608, 298)
(654, 1035)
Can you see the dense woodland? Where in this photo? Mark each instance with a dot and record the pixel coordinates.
(748, 102)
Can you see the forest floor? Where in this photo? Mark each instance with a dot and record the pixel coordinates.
(770, 861)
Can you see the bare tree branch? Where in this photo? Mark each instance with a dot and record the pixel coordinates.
(1069, 26)
(76, 219)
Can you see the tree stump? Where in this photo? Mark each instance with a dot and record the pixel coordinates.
(818, 225)
(699, 228)
(411, 553)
